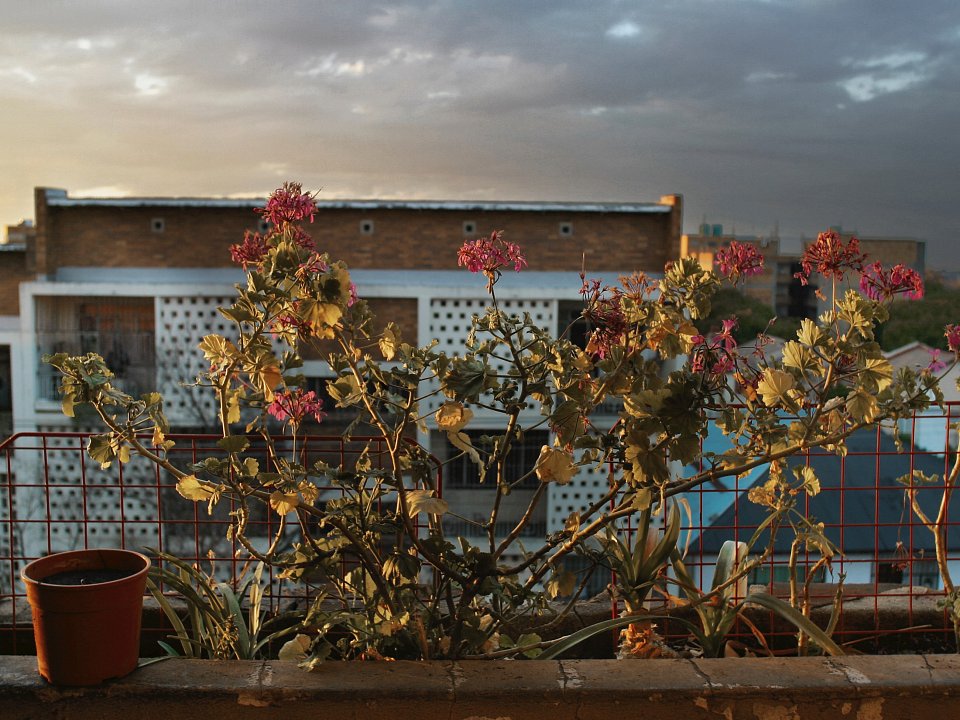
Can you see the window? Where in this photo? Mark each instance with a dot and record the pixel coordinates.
(366, 227)
(890, 572)
(566, 229)
(926, 573)
(461, 472)
(119, 329)
(157, 225)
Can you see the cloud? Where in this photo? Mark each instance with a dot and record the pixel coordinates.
(735, 104)
(864, 88)
(150, 85)
(890, 73)
(624, 29)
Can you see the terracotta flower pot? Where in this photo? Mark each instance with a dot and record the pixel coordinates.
(86, 606)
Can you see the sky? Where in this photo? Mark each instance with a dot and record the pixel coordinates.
(764, 114)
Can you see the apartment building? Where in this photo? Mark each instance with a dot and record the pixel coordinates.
(139, 280)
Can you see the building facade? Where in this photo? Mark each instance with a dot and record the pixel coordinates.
(139, 280)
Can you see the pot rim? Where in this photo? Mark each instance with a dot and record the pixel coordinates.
(68, 554)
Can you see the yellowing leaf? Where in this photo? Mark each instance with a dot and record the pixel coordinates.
(270, 377)
(295, 650)
(562, 584)
(775, 386)
(192, 489)
(461, 441)
(808, 478)
(424, 501)
(284, 503)
(389, 340)
(572, 523)
(453, 416)
(809, 333)
(328, 314)
(555, 465)
(862, 406)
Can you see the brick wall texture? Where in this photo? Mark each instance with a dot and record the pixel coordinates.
(110, 236)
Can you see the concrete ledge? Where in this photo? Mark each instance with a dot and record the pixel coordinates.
(859, 688)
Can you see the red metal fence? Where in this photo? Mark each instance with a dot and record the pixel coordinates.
(54, 498)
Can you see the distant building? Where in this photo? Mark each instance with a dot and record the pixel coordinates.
(777, 285)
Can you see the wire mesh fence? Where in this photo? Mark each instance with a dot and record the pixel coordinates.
(53, 497)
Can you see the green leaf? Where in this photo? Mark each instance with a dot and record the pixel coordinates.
(796, 355)
(792, 615)
(775, 386)
(234, 443)
(192, 489)
(101, 449)
(876, 374)
(730, 560)
(344, 390)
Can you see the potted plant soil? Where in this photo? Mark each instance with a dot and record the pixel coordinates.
(86, 607)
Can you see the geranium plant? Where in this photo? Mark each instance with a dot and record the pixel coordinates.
(388, 580)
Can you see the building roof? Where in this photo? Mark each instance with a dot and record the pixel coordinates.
(60, 198)
(859, 492)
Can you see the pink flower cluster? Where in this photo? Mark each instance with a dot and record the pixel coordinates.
(296, 405)
(720, 352)
(830, 257)
(288, 204)
(739, 260)
(490, 255)
(251, 251)
(952, 333)
(605, 314)
(879, 284)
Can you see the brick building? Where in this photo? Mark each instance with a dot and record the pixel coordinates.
(139, 280)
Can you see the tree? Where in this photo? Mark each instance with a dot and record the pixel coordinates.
(753, 317)
(921, 320)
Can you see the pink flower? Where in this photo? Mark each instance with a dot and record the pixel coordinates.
(725, 336)
(313, 265)
(296, 405)
(936, 364)
(739, 260)
(719, 352)
(605, 313)
(294, 322)
(830, 257)
(489, 256)
(952, 333)
(879, 284)
(288, 204)
(251, 251)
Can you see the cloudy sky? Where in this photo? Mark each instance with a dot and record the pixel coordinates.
(797, 113)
